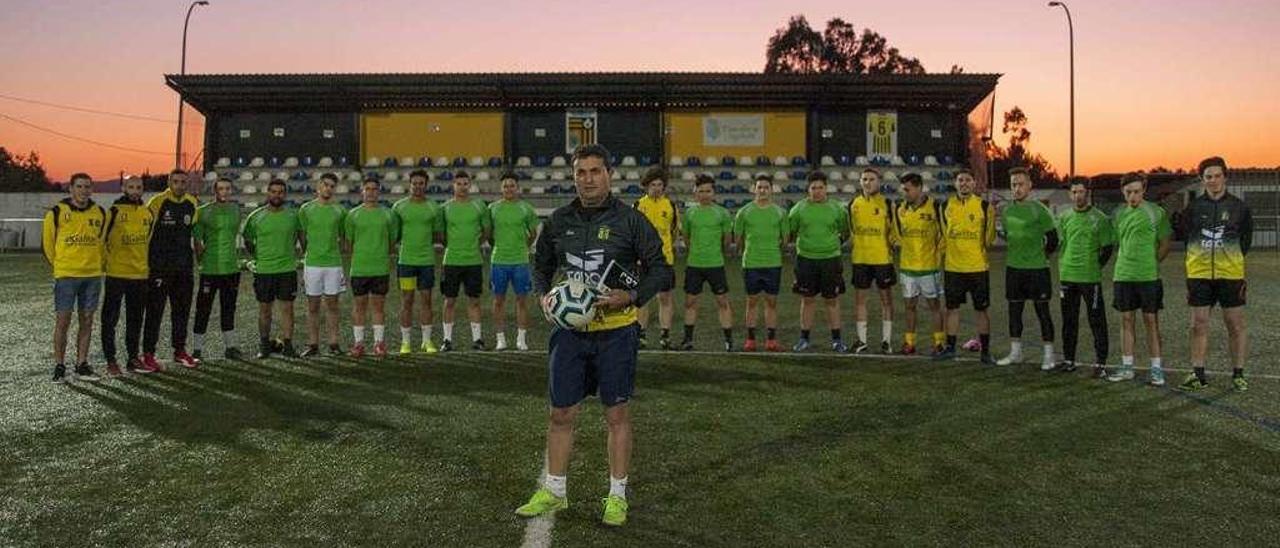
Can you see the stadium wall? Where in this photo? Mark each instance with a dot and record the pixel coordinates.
(418, 134)
(315, 134)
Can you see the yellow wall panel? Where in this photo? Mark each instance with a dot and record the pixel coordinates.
(434, 134)
(784, 134)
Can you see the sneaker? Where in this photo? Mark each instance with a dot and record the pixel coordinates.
(1240, 384)
(184, 359)
(772, 345)
(643, 342)
(801, 345)
(664, 343)
(541, 503)
(85, 373)
(1066, 366)
(312, 351)
(1013, 358)
(840, 348)
(885, 348)
(749, 345)
(908, 349)
(113, 370)
(615, 511)
(1156, 376)
(446, 345)
(1048, 364)
(686, 345)
(523, 347)
(380, 349)
(264, 351)
(233, 353)
(335, 350)
(357, 351)
(198, 354)
(986, 359)
(1100, 372)
(405, 348)
(477, 344)
(151, 365)
(134, 365)
(277, 346)
(944, 354)
(287, 350)
(728, 346)
(1192, 384)
(501, 345)
(429, 347)
(59, 373)
(1123, 374)
(858, 347)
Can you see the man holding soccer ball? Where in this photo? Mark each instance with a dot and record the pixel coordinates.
(591, 240)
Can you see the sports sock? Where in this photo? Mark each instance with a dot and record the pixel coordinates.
(751, 333)
(688, 332)
(229, 338)
(909, 338)
(862, 331)
(502, 338)
(406, 335)
(1156, 363)
(771, 333)
(728, 334)
(1126, 362)
(1015, 348)
(556, 484)
(378, 332)
(521, 334)
(886, 330)
(617, 487)
(1199, 371)
(426, 333)
(804, 334)
(939, 338)
(985, 340)
(358, 332)
(1048, 351)
(1237, 373)
(475, 331)
(448, 331)
(835, 334)
(951, 342)
(197, 341)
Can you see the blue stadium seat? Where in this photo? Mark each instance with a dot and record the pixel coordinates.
(424, 162)
(798, 175)
(614, 160)
(553, 189)
(720, 189)
(633, 190)
(241, 161)
(495, 161)
(844, 160)
(693, 161)
(343, 161)
(299, 176)
(541, 161)
(460, 162)
(389, 162)
(913, 160)
(646, 161)
(948, 160)
(729, 161)
(308, 161)
(799, 161)
(568, 189)
(763, 161)
(445, 175)
(275, 161)
(435, 189)
(794, 189)
(728, 203)
(739, 189)
(726, 176)
(944, 175)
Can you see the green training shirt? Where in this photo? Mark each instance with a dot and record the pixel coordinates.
(1025, 224)
(419, 223)
(706, 227)
(761, 228)
(321, 224)
(512, 223)
(274, 235)
(371, 231)
(818, 227)
(216, 228)
(464, 225)
(1139, 231)
(1083, 234)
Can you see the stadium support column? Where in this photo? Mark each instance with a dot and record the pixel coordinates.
(1071, 39)
(177, 155)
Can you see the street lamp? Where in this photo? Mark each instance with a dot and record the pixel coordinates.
(1071, 37)
(177, 156)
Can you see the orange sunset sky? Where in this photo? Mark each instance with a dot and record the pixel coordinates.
(1157, 82)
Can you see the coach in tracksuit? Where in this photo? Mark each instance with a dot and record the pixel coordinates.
(591, 239)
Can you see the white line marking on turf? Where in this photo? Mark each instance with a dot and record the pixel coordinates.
(537, 531)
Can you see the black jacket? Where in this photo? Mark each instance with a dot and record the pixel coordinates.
(601, 246)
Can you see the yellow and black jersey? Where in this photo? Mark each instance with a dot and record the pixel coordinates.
(662, 214)
(968, 229)
(1219, 234)
(170, 249)
(919, 233)
(71, 238)
(128, 234)
(871, 229)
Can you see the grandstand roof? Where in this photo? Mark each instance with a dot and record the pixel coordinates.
(214, 93)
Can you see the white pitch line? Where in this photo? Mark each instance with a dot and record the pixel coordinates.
(537, 531)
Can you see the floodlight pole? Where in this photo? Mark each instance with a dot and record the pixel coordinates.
(1071, 37)
(177, 155)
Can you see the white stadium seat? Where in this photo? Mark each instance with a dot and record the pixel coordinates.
(223, 162)
(677, 160)
(835, 176)
(930, 160)
(889, 176)
(251, 205)
(398, 189)
(746, 161)
(483, 176)
(280, 175)
(926, 175)
(391, 176)
(315, 175)
(862, 161)
(849, 188)
(744, 175)
(441, 161)
(633, 175)
(780, 176)
(341, 189)
(538, 189)
(246, 175)
(257, 161)
(559, 175)
(263, 177)
(355, 177)
(781, 161)
(897, 161)
(249, 189)
(558, 161)
(523, 161)
(325, 162)
(408, 161)
(827, 161)
(629, 161)
(539, 175)
(211, 176)
(476, 161)
(711, 161)
(777, 188)
(688, 175)
(291, 162)
(373, 161)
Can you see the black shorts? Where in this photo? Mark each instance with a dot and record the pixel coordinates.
(882, 274)
(219, 282)
(1224, 293)
(276, 287)
(668, 281)
(762, 280)
(469, 278)
(593, 362)
(955, 285)
(714, 276)
(819, 277)
(1028, 284)
(1130, 296)
(364, 285)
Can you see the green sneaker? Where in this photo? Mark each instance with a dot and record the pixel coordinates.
(615, 511)
(406, 348)
(429, 347)
(1192, 384)
(542, 502)
(1240, 384)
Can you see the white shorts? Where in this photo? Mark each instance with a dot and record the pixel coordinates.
(928, 286)
(323, 280)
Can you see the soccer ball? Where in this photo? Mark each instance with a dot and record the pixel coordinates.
(571, 304)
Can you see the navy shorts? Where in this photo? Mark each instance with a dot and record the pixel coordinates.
(416, 278)
(762, 280)
(517, 276)
(592, 362)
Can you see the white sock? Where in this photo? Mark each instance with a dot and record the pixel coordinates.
(886, 330)
(475, 331)
(426, 333)
(1156, 363)
(448, 331)
(406, 335)
(1015, 348)
(502, 338)
(378, 331)
(520, 337)
(1048, 351)
(358, 330)
(197, 341)
(229, 339)
(862, 331)
(1126, 361)
(617, 487)
(558, 485)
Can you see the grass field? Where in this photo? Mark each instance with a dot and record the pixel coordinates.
(740, 450)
